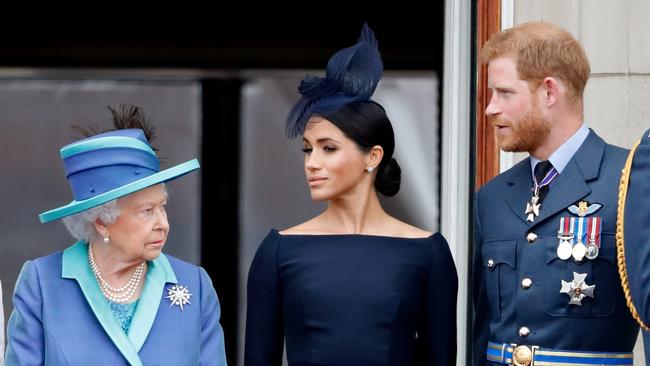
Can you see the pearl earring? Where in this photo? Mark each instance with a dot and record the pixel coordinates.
(107, 239)
(370, 169)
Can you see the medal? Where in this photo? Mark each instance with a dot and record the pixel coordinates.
(577, 289)
(594, 225)
(532, 207)
(578, 252)
(579, 249)
(565, 236)
(564, 248)
(592, 251)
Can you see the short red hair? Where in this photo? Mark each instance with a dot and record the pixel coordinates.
(540, 50)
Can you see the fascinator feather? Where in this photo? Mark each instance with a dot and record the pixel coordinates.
(352, 75)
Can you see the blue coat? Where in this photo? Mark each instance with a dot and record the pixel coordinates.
(503, 258)
(60, 317)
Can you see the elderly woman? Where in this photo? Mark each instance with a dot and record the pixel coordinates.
(113, 298)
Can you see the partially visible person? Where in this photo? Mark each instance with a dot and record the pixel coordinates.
(633, 235)
(113, 298)
(546, 289)
(352, 286)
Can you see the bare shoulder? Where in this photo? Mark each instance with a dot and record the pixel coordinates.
(390, 226)
(309, 227)
(403, 229)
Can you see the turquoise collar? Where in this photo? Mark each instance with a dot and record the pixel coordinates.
(75, 266)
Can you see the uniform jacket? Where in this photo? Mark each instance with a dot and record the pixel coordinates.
(503, 258)
(60, 317)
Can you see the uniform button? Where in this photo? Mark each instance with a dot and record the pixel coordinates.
(490, 263)
(524, 332)
(531, 237)
(526, 283)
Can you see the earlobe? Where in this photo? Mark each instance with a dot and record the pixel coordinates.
(100, 228)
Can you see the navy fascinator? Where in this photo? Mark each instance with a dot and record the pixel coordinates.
(352, 76)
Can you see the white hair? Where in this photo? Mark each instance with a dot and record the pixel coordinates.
(82, 225)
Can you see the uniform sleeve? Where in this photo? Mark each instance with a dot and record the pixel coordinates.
(264, 322)
(636, 230)
(25, 329)
(212, 344)
(439, 334)
(481, 319)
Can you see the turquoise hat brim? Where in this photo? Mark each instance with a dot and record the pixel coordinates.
(75, 207)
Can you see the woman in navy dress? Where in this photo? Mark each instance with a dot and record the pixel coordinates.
(352, 286)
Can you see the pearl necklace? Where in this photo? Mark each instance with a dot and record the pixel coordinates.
(115, 294)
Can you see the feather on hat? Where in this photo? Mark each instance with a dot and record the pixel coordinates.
(352, 75)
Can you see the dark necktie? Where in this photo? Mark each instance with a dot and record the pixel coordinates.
(541, 169)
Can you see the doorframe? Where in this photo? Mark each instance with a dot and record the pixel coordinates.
(465, 167)
(488, 19)
(456, 153)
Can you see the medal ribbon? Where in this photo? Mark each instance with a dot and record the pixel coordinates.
(565, 226)
(595, 227)
(580, 230)
(548, 178)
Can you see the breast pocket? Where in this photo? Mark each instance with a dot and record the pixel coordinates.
(601, 272)
(499, 263)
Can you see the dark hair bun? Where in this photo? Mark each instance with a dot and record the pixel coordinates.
(388, 179)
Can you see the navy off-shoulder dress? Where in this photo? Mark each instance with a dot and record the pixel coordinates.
(351, 300)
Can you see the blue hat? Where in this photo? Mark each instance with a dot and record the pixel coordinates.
(633, 230)
(352, 76)
(110, 165)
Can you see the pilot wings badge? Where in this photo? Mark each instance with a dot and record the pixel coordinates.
(583, 208)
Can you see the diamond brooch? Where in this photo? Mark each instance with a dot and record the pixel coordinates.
(178, 295)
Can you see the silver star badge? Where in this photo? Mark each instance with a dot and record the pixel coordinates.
(577, 289)
(178, 295)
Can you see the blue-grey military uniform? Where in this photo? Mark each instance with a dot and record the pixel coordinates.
(518, 276)
(635, 227)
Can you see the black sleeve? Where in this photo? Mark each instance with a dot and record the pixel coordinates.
(439, 333)
(264, 322)
(481, 308)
